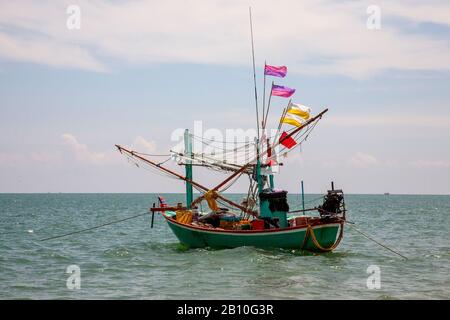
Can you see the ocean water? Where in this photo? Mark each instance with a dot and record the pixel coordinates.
(130, 260)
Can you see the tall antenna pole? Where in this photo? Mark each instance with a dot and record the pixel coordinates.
(254, 71)
(258, 163)
(264, 93)
(268, 107)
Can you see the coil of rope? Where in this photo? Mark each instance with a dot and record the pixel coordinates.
(310, 231)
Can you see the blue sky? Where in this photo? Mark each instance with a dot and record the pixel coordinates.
(138, 70)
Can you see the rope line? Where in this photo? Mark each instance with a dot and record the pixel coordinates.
(380, 244)
(92, 228)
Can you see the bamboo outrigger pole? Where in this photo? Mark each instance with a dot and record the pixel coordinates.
(304, 125)
(133, 154)
(220, 185)
(296, 130)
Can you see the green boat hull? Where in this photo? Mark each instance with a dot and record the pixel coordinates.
(290, 238)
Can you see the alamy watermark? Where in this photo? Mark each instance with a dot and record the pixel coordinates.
(374, 19)
(374, 278)
(74, 280)
(232, 145)
(73, 21)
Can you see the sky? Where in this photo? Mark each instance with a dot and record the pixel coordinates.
(136, 71)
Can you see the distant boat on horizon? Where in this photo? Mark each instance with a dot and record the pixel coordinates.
(386, 193)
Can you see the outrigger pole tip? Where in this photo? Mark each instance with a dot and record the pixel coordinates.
(119, 148)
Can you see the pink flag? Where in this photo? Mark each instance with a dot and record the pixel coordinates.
(282, 91)
(275, 71)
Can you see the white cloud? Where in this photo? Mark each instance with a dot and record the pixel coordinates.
(420, 11)
(292, 158)
(310, 36)
(430, 164)
(142, 145)
(48, 52)
(49, 157)
(391, 119)
(330, 163)
(7, 159)
(82, 153)
(85, 155)
(27, 158)
(363, 160)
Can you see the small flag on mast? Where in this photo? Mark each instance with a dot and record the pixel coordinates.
(299, 110)
(293, 120)
(162, 201)
(271, 157)
(275, 71)
(296, 114)
(286, 141)
(282, 91)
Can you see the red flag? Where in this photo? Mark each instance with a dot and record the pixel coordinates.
(270, 162)
(162, 201)
(287, 142)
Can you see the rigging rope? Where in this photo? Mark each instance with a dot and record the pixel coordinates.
(95, 227)
(379, 243)
(240, 155)
(146, 166)
(198, 138)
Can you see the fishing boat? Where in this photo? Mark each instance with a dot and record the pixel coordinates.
(263, 218)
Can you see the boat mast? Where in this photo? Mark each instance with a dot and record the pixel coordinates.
(188, 167)
(258, 160)
(254, 71)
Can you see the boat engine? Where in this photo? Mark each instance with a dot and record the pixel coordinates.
(333, 205)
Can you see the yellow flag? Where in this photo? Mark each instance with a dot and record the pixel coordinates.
(292, 119)
(296, 114)
(299, 110)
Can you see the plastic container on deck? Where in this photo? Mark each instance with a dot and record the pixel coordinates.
(226, 224)
(258, 224)
(184, 216)
(298, 221)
